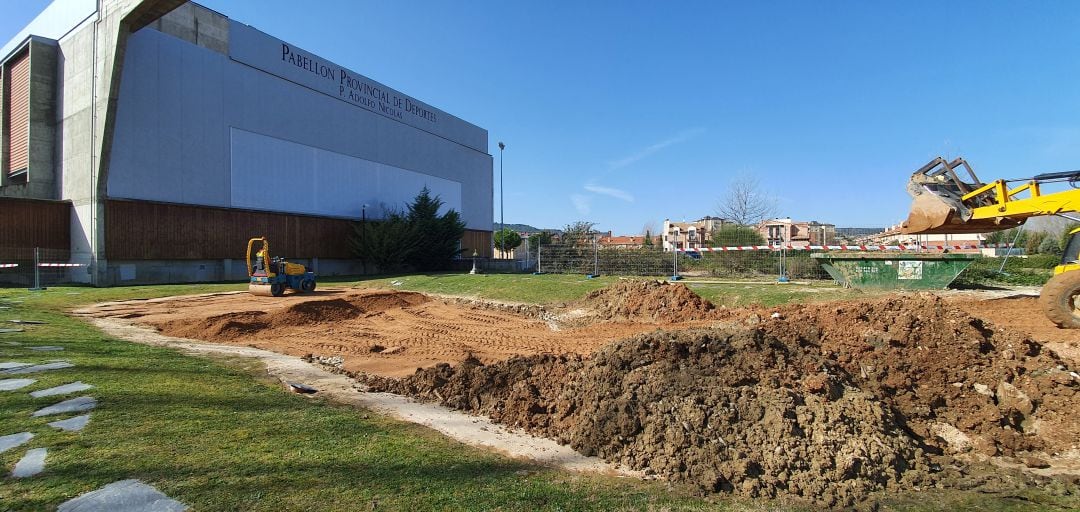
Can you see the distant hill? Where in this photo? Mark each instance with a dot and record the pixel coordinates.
(523, 228)
(858, 231)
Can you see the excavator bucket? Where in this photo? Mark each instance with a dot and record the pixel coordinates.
(937, 206)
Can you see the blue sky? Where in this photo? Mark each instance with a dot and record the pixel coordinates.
(627, 113)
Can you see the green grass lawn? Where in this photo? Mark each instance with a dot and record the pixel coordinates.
(218, 435)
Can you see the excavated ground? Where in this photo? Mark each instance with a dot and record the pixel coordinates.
(383, 332)
(828, 402)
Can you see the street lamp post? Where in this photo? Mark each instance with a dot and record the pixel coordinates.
(502, 218)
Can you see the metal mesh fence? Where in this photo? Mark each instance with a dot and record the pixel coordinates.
(32, 267)
(592, 258)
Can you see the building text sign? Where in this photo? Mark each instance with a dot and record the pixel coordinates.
(254, 48)
(356, 88)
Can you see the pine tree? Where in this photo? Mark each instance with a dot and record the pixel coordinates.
(419, 238)
(438, 236)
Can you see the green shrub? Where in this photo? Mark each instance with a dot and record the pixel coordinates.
(1032, 270)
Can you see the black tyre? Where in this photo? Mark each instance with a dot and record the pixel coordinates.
(1059, 299)
(307, 285)
(277, 290)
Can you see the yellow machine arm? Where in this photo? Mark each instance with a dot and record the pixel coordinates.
(1006, 204)
(944, 202)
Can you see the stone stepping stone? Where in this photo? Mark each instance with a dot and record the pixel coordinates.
(46, 348)
(31, 464)
(13, 384)
(12, 343)
(83, 403)
(39, 368)
(13, 440)
(11, 365)
(72, 424)
(123, 496)
(62, 390)
(6, 331)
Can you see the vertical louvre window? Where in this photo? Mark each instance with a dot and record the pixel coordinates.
(17, 112)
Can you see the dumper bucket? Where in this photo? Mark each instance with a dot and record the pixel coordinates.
(937, 206)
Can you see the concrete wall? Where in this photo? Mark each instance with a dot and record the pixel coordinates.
(39, 182)
(197, 25)
(122, 272)
(41, 174)
(74, 128)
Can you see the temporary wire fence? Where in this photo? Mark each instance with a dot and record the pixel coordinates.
(593, 259)
(36, 267)
(755, 262)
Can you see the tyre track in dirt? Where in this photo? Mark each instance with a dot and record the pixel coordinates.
(376, 331)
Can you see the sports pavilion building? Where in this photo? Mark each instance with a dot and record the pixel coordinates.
(147, 140)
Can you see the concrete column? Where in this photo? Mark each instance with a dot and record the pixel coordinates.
(113, 23)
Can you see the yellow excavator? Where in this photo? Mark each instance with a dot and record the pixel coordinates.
(947, 197)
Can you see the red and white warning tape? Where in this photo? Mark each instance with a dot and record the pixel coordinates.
(8, 265)
(843, 248)
(61, 264)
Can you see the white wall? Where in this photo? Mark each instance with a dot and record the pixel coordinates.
(274, 174)
(195, 127)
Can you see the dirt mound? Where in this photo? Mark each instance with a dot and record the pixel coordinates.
(219, 327)
(655, 301)
(726, 410)
(827, 402)
(375, 302)
(945, 370)
(314, 311)
(332, 310)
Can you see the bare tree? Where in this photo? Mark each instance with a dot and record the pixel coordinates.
(578, 232)
(649, 227)
(745, 203)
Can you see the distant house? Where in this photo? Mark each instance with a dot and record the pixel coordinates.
(690, 236)
(784, 231)
(626, 242)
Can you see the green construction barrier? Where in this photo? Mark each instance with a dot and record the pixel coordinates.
(894, 271)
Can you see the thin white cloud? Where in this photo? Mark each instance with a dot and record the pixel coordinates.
(608, 191)
(682, 136)
(582, 203)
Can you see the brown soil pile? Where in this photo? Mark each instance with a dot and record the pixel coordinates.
(725, 410)
(945, 370)
(654, 301)
(826, 402)
(230, 326)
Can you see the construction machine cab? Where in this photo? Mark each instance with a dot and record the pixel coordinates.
(1070, 259)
